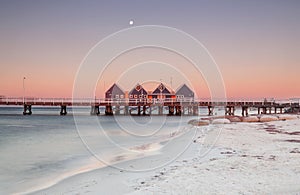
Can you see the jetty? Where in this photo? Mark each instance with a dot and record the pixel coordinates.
(146, 106)
(162, 100)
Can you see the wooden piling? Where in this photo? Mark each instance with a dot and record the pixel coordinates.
(95, 110)
(63, 110)
(210, 110)
(178, 110)
(171, 110)
(195, 110)
(126, 110)
(117, 110)
(108, 110)
(160, 110)
(244, 110)
(27, 109)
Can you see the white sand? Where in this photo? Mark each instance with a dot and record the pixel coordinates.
(248, 158)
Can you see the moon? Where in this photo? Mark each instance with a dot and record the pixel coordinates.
(131, 22)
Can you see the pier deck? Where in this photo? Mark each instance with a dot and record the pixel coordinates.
(145, 106)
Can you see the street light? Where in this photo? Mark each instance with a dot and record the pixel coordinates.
(24, 90)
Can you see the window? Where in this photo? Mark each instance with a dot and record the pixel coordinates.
(131, 96)
(135, 96)
(145, 96)
(140, 96)
(122, 96)
(138, 88)
(117, 96)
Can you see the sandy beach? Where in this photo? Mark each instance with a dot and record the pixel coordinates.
(149, 97)
(247, 158)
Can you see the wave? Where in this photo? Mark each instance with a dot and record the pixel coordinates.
(136, 152)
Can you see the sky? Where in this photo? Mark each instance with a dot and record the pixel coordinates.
(255, 44)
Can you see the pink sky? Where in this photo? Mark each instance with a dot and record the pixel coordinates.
(255, 44)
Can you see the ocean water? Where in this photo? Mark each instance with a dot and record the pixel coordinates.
(44, 148)
(39, 150)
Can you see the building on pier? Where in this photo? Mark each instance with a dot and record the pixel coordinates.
(138, 92)
(114, 93)
(184, 92)
(162, 92)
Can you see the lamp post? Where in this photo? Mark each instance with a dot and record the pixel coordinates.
(24, 90)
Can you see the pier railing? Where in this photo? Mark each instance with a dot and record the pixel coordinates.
(144, 105)
(141, 101)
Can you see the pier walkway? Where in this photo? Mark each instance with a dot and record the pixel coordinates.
(147, 106)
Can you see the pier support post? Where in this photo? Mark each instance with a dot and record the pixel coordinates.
(244, 111)
(195, 110)
(178, 110)
(264, 110)
(292, 109)
(190, 110)
(150, 110)
(27, 110)
(95, 110)
(126, 110)
(108, 110)
(171, 110)
(117, 112)
(144, 110)
(227, 110)
(270, 110)
(139, 110)
(258, 110)
(160, 110)
(280, 110)
(63, 110)
(210, 110)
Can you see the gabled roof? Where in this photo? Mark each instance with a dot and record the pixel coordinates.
(114, 89)
(137, 90)
(161, 89)
(184, 90)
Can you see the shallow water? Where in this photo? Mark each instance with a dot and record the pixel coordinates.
(38, 151)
